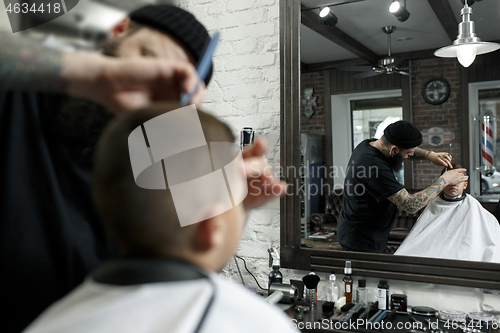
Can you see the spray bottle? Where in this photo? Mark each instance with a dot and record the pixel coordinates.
(332, 294)
(275, 275)
(348, 282)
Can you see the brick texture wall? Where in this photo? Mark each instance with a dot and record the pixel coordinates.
(245, 92)
(425, 115)
(316, 124)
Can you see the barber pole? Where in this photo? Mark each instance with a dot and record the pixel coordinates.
(488, 138)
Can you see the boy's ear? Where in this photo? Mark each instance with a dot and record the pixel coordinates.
(209, 234)
(121, 27)
(466, 184)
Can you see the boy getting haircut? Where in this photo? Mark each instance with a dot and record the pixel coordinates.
(166, 280)
(454, 225)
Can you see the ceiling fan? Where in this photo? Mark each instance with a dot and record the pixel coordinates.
(387, 65)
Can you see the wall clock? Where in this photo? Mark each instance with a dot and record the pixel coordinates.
(436, 91)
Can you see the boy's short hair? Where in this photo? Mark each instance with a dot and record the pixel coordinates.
(455, 166)
(142, 222)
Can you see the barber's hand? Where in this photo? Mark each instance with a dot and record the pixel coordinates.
(262, 184)
(125, 84)
(440, 159)
(454, 177)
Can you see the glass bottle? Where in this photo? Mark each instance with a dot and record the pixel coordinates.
(383, 295)
(348, 282)
(361, 292)
(332, 294)
(275, 276)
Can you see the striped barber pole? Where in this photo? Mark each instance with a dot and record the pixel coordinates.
(487, 140)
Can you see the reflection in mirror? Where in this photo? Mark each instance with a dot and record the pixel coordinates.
(312, 174)
(357, 43)
(454, 226)
(370, 117)
(330, 57)
(484, 105)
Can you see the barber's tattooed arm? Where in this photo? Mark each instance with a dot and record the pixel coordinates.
(420, 154)
(412, 203)
(439, 159)
(120, 84)
(28, 66)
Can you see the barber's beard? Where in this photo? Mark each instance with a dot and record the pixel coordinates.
(396, 162)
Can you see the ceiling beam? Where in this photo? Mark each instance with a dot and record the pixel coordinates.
(312, 21)
(445, 15)
(330, 5)
(422, 54)
(414, 55)
(319, 66)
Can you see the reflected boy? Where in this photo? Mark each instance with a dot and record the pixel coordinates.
(454, 226)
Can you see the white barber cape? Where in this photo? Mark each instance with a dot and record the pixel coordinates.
(461, 230)
(161, 307)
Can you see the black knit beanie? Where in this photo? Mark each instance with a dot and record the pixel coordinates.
(403, 134)
(179, 24)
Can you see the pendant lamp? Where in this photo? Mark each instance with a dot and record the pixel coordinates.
(467, 45)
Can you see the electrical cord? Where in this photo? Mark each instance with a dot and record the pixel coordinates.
(241, 276)
(245, 263)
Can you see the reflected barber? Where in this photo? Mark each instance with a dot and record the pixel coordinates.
(367, 216)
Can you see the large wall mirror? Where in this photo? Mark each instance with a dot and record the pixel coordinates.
(332, 98)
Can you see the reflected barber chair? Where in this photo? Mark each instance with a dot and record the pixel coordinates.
(327, 221)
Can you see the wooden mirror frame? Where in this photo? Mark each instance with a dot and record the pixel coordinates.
(428, 270)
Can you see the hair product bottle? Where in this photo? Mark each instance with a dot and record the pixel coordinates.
(383, 295)
(361, 292)
(275, 276)
(332, 294)
(348, 282)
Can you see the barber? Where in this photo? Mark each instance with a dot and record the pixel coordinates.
(372, 192)
(50, 234)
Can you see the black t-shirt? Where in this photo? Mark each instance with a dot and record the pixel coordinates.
(367, 215)
(50, 235)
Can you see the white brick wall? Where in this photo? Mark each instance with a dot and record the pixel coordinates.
(4, 20)
(244, 91)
